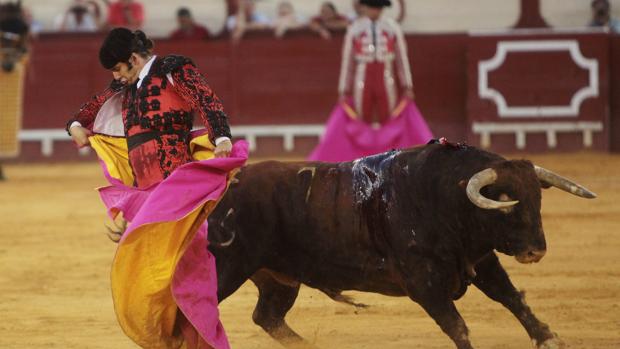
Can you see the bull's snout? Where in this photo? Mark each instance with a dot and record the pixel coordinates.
(531, 256)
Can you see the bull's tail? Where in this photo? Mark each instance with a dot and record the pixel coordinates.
(340, 298)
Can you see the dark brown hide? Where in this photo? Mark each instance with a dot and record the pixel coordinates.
(398, 223)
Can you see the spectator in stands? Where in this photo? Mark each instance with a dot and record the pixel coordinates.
(357, 11)
(14, 34)
(81, 16)
(601, 16)
(35, 25)
(328, 20)
(286, 19)
(247, 18)
(126, 13)
(188, 29)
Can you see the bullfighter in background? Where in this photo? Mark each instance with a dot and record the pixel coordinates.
(376, 110)
(14, 35)
(165, 180)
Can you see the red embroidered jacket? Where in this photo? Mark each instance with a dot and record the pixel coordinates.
(158, 116)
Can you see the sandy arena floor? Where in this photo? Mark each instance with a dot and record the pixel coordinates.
(55, 259)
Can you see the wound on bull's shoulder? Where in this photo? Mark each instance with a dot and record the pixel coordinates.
(302, 174)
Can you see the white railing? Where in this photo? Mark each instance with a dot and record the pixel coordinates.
(48, 137)
(521, 129)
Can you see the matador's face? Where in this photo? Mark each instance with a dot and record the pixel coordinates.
(125, 72)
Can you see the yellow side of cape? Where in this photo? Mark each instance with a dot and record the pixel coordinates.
(114, 153)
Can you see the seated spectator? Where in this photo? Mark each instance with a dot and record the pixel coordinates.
(246, 19)
(357, 11)
(601, 16)
(35, 25)
(81, 16)
(125, 13)
(328, 20)
(188, 29)
(286, 19)
(14, 28)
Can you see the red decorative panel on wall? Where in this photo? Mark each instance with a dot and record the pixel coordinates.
(538, 92)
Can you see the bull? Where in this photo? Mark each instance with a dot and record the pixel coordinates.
(423, 223)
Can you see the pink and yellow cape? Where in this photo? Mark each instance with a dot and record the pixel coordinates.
(162, 269)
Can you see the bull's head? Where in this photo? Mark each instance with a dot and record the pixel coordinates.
(512, 190)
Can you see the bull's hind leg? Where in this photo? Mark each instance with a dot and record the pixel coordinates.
(492, 279)
(275, 299)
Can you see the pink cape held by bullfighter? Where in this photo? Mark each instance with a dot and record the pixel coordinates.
(348, 138)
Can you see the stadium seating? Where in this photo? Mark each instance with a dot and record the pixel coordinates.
(421, 15)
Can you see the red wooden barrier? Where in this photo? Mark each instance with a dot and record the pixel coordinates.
(265, 81)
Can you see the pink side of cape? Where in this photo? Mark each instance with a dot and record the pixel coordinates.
(347, 139)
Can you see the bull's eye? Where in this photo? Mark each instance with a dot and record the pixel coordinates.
(504, 197)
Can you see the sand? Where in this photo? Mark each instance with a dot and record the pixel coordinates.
(55, 262)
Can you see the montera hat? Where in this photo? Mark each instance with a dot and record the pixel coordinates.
(376, 3)
(120, 44)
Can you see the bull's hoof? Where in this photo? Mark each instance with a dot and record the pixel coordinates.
(551, 343)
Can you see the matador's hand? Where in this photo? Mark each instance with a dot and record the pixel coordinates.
(223, 149)
(409, 94)
(80, 135)
(117, 85)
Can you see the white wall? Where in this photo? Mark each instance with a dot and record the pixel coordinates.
(422, 15)
(460, 15)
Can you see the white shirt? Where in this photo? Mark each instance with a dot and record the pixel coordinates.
(68, 22)
(143, 73)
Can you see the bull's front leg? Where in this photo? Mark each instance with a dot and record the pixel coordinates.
(492, 279)
(430, 287)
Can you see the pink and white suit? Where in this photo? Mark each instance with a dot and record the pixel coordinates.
(374, 65)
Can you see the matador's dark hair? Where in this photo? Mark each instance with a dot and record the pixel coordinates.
(376, 3)
(120, 44)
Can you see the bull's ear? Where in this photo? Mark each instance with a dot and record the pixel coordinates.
(545, 184)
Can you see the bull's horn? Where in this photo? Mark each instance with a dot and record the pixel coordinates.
(563, 183)
(477, 182)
